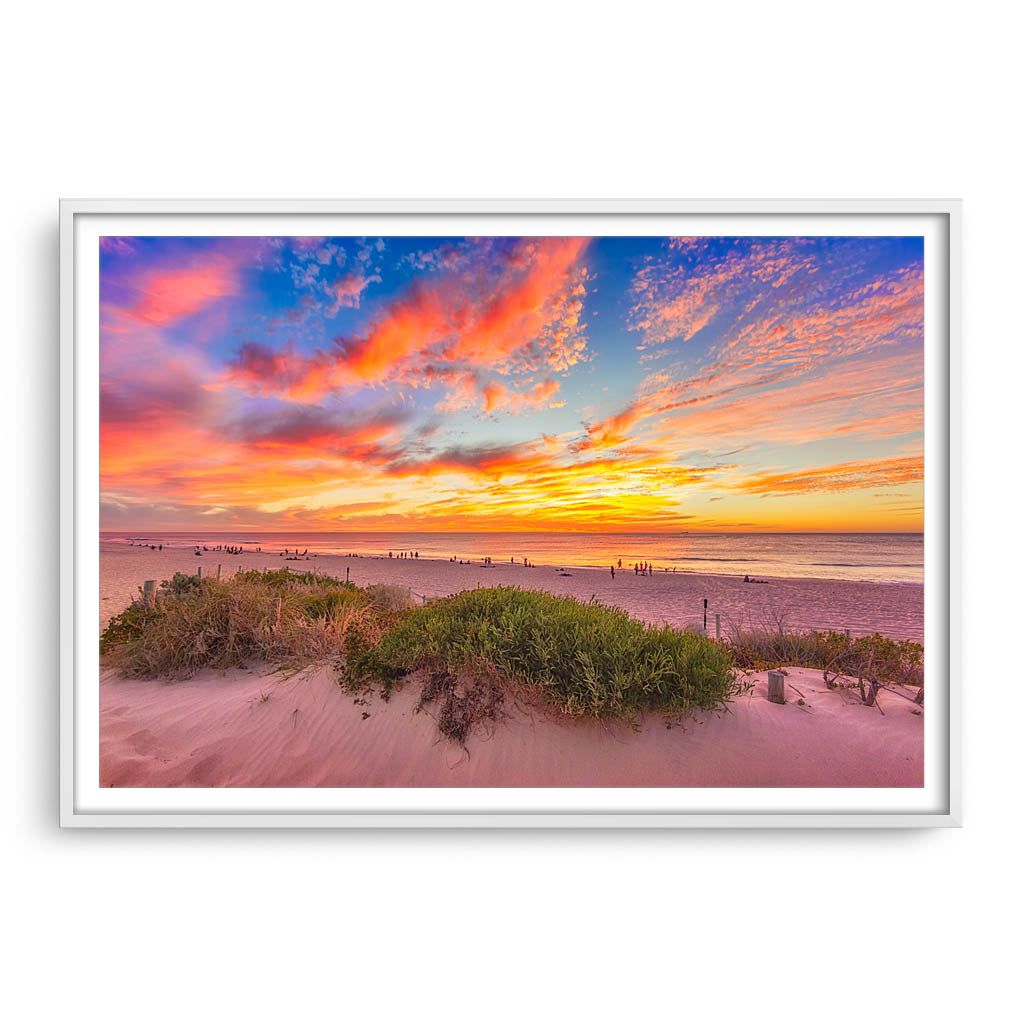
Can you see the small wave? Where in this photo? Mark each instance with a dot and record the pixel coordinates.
(698, 558)
(869, 565)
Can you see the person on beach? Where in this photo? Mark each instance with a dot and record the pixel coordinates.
(620, 563)
(636, 569)
(613, 571)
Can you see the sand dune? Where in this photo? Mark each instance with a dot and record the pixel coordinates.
(896, 610)
(244, 728)
(255, 728)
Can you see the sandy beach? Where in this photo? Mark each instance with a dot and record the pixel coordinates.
(895, 610)
(247, 728)
(254, 727)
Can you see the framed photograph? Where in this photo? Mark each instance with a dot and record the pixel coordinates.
(509, 514)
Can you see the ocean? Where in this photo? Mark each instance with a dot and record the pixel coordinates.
(872, 557)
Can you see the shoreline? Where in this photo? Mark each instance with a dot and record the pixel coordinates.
(594, 552)
(477, 561)
(673, 598)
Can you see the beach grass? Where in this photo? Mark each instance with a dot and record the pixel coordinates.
(284, 618)
(586, 658)
(876, 656)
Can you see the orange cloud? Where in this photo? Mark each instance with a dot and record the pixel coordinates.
(845, 476)
(507, 312)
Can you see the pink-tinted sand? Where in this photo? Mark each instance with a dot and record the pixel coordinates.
(244, 728)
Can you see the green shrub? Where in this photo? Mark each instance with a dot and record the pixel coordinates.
(588, 659)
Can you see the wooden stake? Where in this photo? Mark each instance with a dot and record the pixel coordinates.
(277, 613)
(776, 687)
(149, 592)
(218, 570)
(718, 626)
(199, 573)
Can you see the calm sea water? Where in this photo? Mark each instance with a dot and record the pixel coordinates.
(877, 557)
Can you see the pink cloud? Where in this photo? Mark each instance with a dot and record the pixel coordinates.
(169, 295)
(348, 289)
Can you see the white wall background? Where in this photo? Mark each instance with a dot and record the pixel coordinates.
(525, 99)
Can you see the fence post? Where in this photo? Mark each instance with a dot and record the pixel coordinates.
(199, 573)
(218, 570)
(776, 687)
(346, 574)
(718, 625)
(149, 592)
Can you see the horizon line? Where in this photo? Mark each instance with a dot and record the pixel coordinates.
(589, 533)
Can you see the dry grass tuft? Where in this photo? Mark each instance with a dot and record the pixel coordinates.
(278, 617)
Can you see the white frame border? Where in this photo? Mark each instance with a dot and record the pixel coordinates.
(70, 817)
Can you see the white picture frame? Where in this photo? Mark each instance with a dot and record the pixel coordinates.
(83, 805)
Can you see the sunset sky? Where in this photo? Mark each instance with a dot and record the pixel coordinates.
(554, 383)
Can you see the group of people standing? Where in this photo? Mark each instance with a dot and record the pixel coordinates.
(404, 554)
(228, 549)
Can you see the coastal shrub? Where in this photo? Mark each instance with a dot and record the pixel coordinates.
(203, 622)
(586, 658)
(888, 660)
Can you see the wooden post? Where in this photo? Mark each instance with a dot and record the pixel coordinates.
(705, 616)
(277, 613)
(776, 687)
(218, 570)
(718, 626)
(847, 634)
(199, 572)
(149, 593)
(346, 574)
